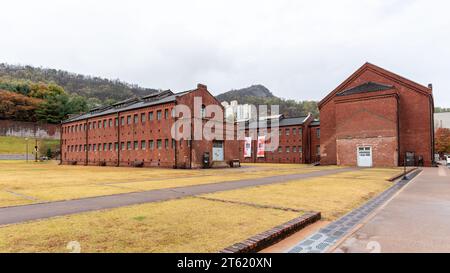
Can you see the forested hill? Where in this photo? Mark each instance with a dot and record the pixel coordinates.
(260, 95)
(103, 90)
(49, 95)
(258, 90)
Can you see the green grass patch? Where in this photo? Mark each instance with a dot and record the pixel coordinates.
(139, 218)
(18, 145)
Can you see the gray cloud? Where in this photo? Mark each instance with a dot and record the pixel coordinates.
(298, 49)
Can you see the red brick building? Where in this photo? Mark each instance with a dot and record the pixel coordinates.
(314, 141)
(137, 132)
(377, 118)
(298, 141)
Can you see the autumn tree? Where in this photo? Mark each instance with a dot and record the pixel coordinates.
(42, 90)
(442, 141)
(17, 106)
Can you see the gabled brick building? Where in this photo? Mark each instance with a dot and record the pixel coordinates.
(137, 132)
(377, 118)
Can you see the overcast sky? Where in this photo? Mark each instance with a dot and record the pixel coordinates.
(298, 49)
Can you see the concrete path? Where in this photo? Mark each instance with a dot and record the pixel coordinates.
(416, 220)
(11, 215)
(16, 157)
(330, 235)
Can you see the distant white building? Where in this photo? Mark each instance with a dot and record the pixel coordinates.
(442, 120)
(239, 112)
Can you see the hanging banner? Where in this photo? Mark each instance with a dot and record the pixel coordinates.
(261, 146)
(248, 147)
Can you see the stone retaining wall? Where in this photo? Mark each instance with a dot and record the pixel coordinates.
(274, 235)
(29, 129)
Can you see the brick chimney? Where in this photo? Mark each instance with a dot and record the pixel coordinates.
(201, 86)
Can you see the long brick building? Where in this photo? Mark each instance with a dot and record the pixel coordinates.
(377, 118)
(298, 141)
(137, 132)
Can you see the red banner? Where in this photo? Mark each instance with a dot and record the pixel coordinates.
(261, 146)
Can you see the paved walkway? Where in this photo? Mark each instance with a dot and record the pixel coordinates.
(416, 220)
(16, 157)
(328, 236)
(11, 215)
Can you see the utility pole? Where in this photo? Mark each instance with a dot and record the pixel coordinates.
(36, 151)
(26, 154)
(35, 144)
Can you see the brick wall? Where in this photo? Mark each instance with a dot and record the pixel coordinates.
(367, 120)
(293, 146)
(133, 136)
(314, 147)
(328, 150)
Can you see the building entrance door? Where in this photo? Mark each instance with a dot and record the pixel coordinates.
(364, 156)
(217, 152)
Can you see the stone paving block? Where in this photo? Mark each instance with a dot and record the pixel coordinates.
(317, 236)
(308, 242)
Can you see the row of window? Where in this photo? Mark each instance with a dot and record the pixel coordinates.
(288, 149)
(295, 149)
(109, 122)
(135, 145)
(288, 131)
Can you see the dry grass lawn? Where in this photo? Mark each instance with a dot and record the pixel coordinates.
(186, 225)
(51, 182)
(193, 224)
(9, 199)
(333, 195)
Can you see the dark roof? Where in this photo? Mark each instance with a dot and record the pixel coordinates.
(292, 121)
(282, 122)
(365, 88)
(130, 104)
(315, 122)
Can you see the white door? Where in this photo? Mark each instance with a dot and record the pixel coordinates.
(217, 151)
(364, 156)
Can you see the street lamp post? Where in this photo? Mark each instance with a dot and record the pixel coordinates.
(36, 151)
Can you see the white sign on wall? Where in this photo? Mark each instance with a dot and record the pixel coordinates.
(248, 147)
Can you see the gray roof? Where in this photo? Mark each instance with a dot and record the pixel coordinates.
(292, 121)
(365, 88)
(130, 104)
(315, 122)
(282, 122)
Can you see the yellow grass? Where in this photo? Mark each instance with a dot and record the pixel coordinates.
(51, 182)
(187, 225)
(192, 224)
(333, 195)
(9, 199)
